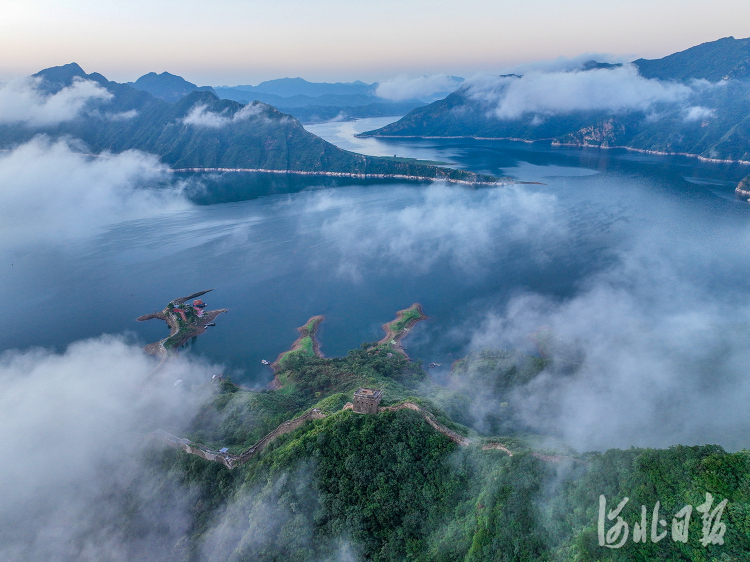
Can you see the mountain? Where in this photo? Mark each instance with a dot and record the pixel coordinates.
(166, 86)
(717, 60)
(432, 474)
(202, 131)
(288, 87)
(675, 114)
(323, 113)
(353, 100)
(300, 100)
(326, 107)
(57, 77)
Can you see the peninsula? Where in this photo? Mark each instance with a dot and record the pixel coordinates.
(397, 329)
(306, 344)
(185, 321)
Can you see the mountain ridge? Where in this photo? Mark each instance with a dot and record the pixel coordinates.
(708, 120)
(202, 131)
(166, 86)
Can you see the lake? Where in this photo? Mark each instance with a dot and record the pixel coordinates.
(278, 251)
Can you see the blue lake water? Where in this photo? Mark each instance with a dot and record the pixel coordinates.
(357, 252)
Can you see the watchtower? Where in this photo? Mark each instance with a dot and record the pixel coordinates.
(366, 400)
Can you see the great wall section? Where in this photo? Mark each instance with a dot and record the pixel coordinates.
(232, 461)
(392, 337)
(227, 459)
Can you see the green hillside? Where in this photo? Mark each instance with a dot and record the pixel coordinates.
(390, 487)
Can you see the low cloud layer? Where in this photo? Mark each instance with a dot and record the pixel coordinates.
(563, 92)
(698, 113)
(421, 87)
(645, 355)
(74, 480)
(53, 190)
(22, 102)
(565, 64)
(444, 224)
(200, 116)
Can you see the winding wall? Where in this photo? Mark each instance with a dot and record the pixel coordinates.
(227, 459)
(231, 461)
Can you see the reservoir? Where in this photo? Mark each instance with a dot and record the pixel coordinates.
(665, 233)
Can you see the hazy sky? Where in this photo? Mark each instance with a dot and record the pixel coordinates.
(247, 41)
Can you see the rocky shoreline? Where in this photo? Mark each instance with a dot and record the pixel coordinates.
(743, 188)
(571, 144)
(393, 336)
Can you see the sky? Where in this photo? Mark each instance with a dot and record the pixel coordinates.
(231, 42)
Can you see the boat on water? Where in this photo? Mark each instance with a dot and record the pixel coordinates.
(209, 324)
(264, 362)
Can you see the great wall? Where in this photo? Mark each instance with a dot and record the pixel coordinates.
(232, 461)
(393, 336)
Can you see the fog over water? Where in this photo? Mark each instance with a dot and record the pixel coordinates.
(637, 265)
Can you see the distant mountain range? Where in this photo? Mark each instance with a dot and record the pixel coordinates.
(202, 131)
(288, 87)
(316, 109)
(166, 86)
(310, 102)
(693, 102)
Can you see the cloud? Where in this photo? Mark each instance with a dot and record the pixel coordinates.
(446, 223)
(53, 190)
(118, 116)
(557, 93)
(22, 102)
(697, 113)
(403, 87)
(76, 481)
(646, 354)
(200, 116)
(565, 64)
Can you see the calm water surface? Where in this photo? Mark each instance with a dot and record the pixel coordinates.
(359, 251)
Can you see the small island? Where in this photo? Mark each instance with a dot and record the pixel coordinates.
(185, 321)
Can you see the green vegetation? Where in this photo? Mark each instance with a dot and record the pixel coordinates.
(394, 489)
(410, 315)
(305, 344)
(312, 325)
(398, 328)
(388, 487)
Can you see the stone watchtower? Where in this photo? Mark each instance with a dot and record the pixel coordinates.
(366, 400)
